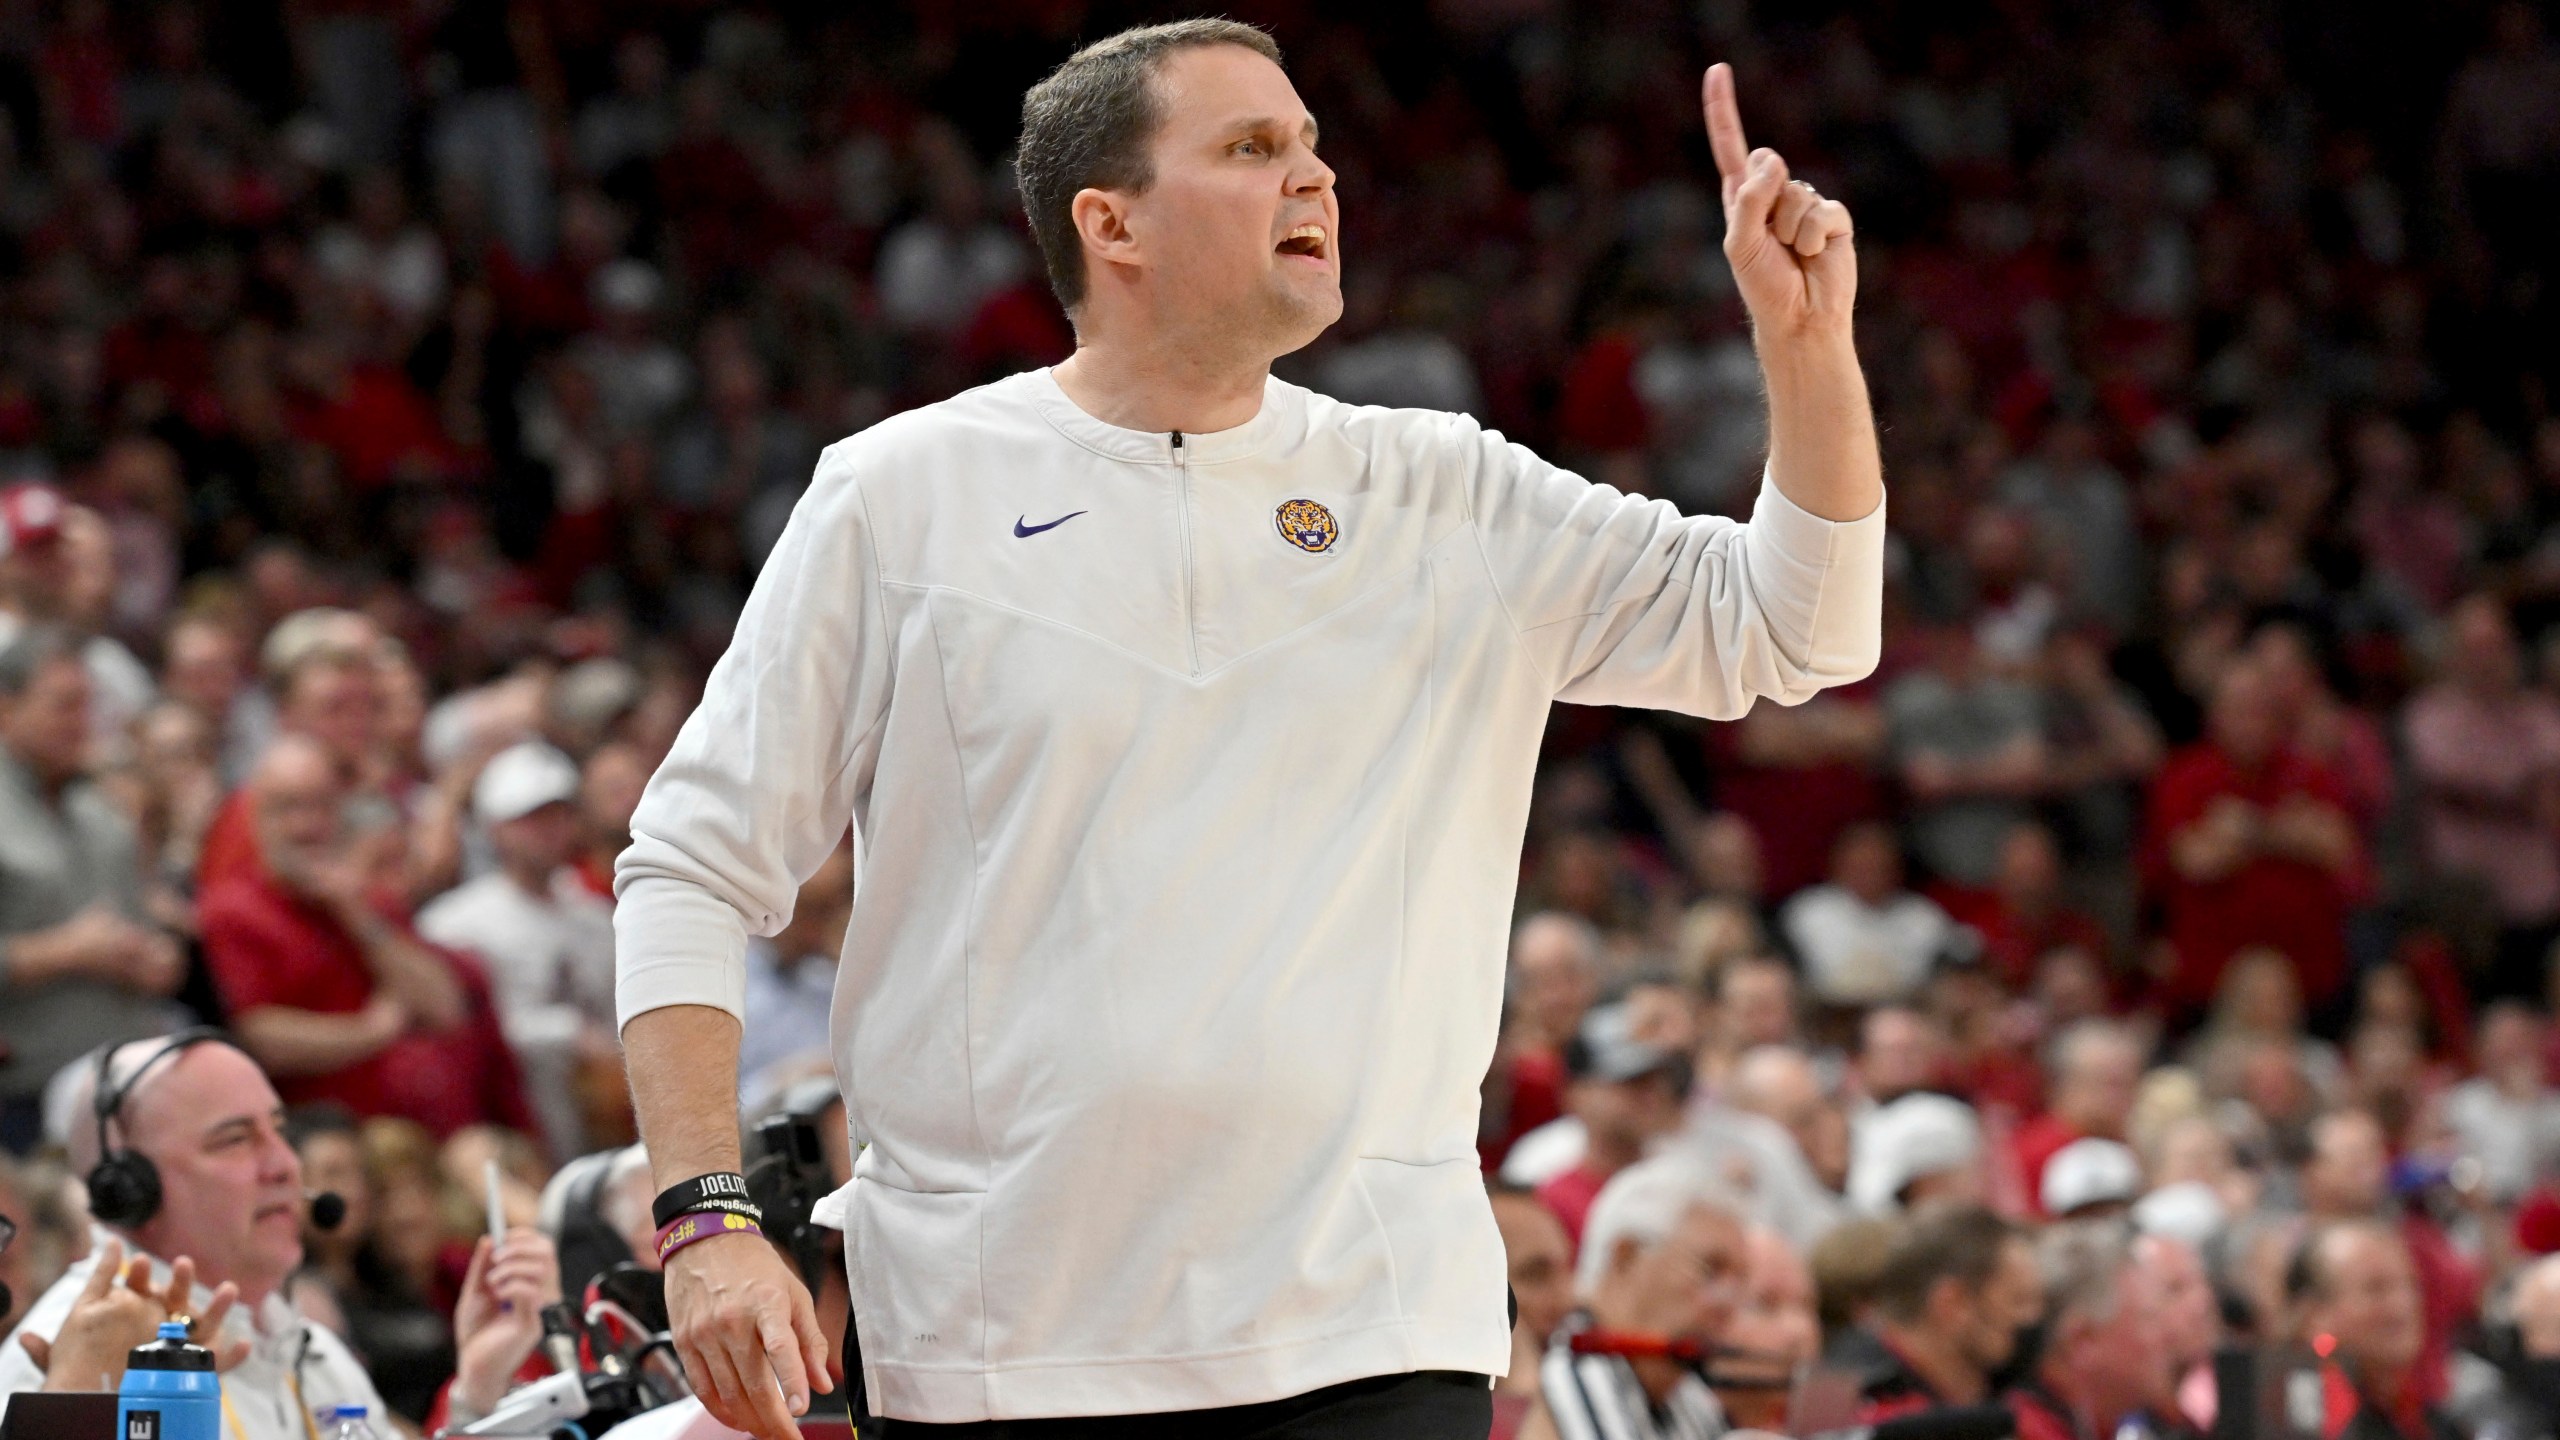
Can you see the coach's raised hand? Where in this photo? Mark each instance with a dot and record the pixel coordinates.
(1798, 273)
(1789, 246)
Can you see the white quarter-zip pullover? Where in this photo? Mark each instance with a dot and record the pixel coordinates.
(1189, 774)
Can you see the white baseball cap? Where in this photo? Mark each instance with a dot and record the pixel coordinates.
(2090, 1172)
(1916, 1136)
(2190, 1210)
(522, 779)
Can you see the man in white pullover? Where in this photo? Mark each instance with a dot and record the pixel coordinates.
(1186, 720)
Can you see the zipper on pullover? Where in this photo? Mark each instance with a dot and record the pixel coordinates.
(1182, 497)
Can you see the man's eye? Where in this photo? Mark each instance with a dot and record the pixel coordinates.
(1245, 145)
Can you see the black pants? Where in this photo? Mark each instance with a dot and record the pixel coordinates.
(1422, 1405)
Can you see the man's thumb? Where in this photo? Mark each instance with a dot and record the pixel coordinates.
(39, 1349)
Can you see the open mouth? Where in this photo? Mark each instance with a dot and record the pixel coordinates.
(1307, 242)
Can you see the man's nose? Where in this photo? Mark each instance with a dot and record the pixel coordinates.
(281, 1165)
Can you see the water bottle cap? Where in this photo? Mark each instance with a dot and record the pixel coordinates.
(172, 1351)
(346, 1412)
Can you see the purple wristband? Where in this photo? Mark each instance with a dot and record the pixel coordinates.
(701, 1225)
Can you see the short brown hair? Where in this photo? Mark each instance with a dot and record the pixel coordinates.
(1960, 1241)
(1088, 125)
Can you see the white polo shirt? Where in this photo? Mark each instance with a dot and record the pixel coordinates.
(1189, 774)
(295, 1374)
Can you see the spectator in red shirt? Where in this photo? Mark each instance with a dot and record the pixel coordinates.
(323, 668)
(1555, 971)
(608, 791)
(2097, 1069)
(1958, 1289)
(2022, 914)
(333, 998)
(2359, 1300)
(1626, 1094)
(2348, 1178)
(2250, 844)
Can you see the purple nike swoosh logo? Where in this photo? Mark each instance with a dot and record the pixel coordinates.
(1020, 529)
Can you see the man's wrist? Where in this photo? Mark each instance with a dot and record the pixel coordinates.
(711, 1190)
(1808, 352)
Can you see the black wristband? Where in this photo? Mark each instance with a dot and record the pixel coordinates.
(719, 1190)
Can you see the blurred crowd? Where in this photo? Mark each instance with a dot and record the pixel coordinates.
(398, 396)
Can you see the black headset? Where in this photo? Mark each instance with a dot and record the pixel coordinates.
(124, 1186)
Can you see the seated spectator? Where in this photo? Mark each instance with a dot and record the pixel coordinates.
(1778, 1083)
(2090, 1179)
(1918, 1150)
(1555, 974)
(1990, 1044)
(1750, 1002)
(1623, 1095)
(2259, 1001)
(1762, 1164)
(1900, 1050)
(406, 1342)
(547, 942)
(1863, 938)
(2097, 1067)
(2515, 1380)
(2193, 1150)
(1958, 1291)
(2106, 1353)
(608, 791)
(57, 568)
(2069, 986)
(2181, 1295)
(323, 670)
(2507, 1116)
(2356, 1293)
(791, 981)
(1539, 1260)
(1667, 1257)
(340, 1000)
(221, 1244)
(2023, 914)
(2347, 1178)
(1774, 1333)
(80, 966)
(2250, 844)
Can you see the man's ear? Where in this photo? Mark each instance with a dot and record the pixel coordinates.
(1102, 222)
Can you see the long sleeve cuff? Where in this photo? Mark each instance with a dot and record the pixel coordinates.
(1822, 580)
(678, 944)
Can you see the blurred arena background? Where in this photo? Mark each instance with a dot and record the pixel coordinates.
(430, 376)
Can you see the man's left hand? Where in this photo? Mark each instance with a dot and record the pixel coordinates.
(109, 1319)
(499, 1319)
(1790, 248)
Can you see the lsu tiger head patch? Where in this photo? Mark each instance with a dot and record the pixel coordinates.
(1307, 525)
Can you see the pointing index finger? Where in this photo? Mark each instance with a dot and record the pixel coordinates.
(1724, 127)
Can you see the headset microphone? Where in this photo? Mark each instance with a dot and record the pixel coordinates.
(328, 1209)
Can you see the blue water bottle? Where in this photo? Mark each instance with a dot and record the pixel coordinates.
(346, 1422)
(170, 1391)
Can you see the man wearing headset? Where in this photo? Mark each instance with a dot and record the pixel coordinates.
(181, 1138)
